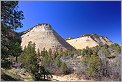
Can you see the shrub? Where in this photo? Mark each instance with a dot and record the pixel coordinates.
(64, 67)
(57, 61)
(94, 66)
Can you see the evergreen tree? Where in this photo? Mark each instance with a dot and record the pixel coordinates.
(31, 64)
(28, 57)
(60, 51)
(57, 61)
(105, 51)
(94, 65)
(115, 47)
(10, 20)
(39, 57)
(55, 54)
(44, 52)
(86, 52)
(64, 67)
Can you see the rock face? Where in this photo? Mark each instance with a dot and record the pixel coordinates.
(44, 37)
(90, 40)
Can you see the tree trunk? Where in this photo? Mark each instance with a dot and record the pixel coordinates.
(44, 76)
(16, 59)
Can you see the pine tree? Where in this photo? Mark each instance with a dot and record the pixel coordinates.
(94, 65)
(31, 64)
(57, 61)
(10, 20)
(28, 57)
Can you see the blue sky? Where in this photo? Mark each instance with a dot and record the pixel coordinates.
(75, 18)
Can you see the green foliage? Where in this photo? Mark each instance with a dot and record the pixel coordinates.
(60, 51)
(105, 51)
(70, 52)
(31, 63)
(40, 74)
(51, 60)
(88, 35)
(55, 54)
(28, 58)
(95, 49)
(47, 59)
(115, 47)
(94, 66)
(44, 53)
(10, 20)
(91, 60)
(57, 61)
(69, 38)
(10, 16)
(87, 51)
(6, 64)
(10, 46)
(64, 67)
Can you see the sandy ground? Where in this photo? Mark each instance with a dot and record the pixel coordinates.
(70, 77)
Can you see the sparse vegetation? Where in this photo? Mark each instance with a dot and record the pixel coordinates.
(97, 63)
(93, 61)
(64, 67)
(94, 65)
(69, 38)
(88, 35)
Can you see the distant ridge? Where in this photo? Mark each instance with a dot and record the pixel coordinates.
(44, 36)
(90, 40)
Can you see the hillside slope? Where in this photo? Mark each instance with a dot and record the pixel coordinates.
(44, 37)
(90, 40)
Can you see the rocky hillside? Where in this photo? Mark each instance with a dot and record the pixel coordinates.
(44, 36)
(85, 64)
(90, 40)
